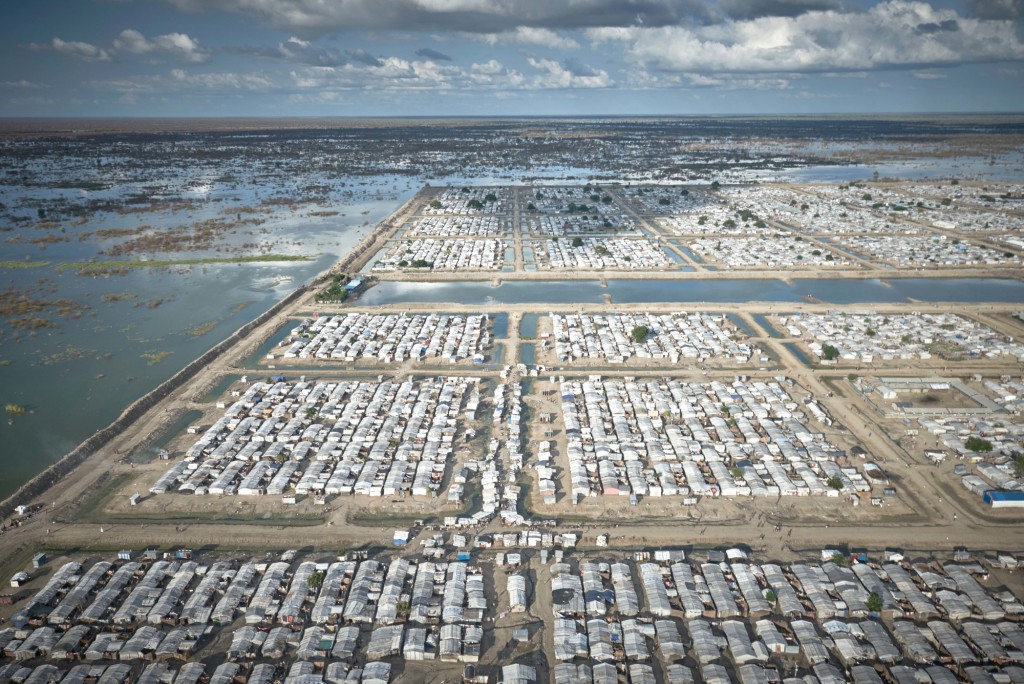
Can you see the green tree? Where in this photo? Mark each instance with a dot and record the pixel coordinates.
(315, 580)
(491, 197)
(475, 204)
(577, 242)
(640, 333)
(829, 353)
(436, 204)
(874, 602)
(977, 444)
(840, 560)
(770, 596)
(834, 482)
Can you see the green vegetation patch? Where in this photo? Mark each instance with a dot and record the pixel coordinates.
(23, 264)
(977, 444)
(202, 328)
(155, 357)
(104, 267)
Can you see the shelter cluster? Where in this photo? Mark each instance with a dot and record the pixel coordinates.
(457, 226)
(375, 438)
(619, 338)
(452, 254)
(767, 252)
(671, 437)
(870, 337)
(718, 616)
(729, 619)
(941, 250)
(601, 253)
(390, 338)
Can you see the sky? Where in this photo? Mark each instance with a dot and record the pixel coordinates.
(508, 57)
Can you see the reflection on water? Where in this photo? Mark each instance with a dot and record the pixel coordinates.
(140, 329)
(528, 326)
(1000, 167)
(477, 293)
(528, 353)
(835, 291)
(77, 378)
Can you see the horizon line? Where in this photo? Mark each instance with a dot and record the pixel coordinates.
(422, 117)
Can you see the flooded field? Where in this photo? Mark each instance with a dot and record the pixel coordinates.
(123, 256)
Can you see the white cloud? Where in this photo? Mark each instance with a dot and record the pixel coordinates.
(75, 48)
(490, 68)
(525, 35)
(928, 75)
(222, 81)
(31, 101)
(145, 84)
(178, 45)
(495, 74)
(395, 74)
(892, 34)
(567, 75)
(389, 73)
(23, 84)
(133, 41)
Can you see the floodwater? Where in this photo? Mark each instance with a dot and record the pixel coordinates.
(139, 328)
(1002, 167)
(528, 353)
(142, 327)
(834, 291)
